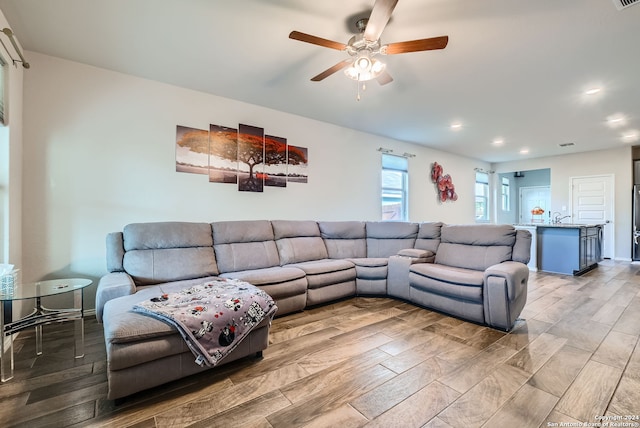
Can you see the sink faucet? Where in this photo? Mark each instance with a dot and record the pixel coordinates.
(557, 218)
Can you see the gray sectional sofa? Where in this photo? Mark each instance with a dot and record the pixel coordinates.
(475, 272)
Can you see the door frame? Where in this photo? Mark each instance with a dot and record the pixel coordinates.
(520, 204)
(609, 226)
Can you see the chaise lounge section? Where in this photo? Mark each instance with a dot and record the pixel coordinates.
(475, 272)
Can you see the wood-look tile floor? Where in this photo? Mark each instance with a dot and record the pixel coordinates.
(574, 357)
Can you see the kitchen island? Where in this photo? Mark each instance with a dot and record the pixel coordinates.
(571, 249)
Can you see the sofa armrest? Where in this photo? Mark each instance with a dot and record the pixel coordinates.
(398, 271)
(425, 256)
(112, 285)
(505, 293)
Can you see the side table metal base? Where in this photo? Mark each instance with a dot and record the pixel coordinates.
(39, 317)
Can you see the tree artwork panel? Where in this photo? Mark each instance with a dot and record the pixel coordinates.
(298, 162)
(223, 154)
(192, 150)
(250, 158)
(275, 161)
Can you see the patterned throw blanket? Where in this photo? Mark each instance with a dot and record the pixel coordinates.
(213, 317)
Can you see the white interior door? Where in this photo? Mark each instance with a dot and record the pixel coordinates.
(592, 203)
(532, 197)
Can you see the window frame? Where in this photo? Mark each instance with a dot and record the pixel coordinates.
(482, 197)
(396, 164)
(505, 193)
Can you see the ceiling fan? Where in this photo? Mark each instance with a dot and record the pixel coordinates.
(363, 48)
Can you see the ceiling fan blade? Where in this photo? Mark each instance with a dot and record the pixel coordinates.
(329, 71)
(303, 37)
(384, 78)
(379, 18)
(417, 45)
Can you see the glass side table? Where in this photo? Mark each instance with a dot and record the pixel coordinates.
(40, 316)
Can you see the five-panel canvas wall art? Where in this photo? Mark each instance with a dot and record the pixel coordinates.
(244, 156)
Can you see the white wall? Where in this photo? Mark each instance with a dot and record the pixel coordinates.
(617, 162)
(99, 152)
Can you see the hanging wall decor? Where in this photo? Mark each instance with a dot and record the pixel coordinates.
(297, 164)
(444, 185)
(223, 154)
(244, 156)
(250, 158)
(275, 161)
(192, 150)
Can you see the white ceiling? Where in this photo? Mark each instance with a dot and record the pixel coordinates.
(515, 70)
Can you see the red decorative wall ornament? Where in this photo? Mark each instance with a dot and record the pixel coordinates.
(444, 185)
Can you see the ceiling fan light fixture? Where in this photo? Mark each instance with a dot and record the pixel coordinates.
(363, 64)
(364, 68)
(377, 67)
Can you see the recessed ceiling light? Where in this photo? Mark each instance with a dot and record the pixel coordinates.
(616, 120)
(524, 151)
(631, 136)
(592, 91)
(498, 142)
(456, 126)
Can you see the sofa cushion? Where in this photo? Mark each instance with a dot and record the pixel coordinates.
(448, 281)
(150, 236)
(317, 267)
(429, 236)
(416, 253)
(231, 232)
(344, 239)
(278, 282)
(370, 262)
(267, 276)
(294, 228)
(385, 239)
(475, 246)
(134, 338)
(244, 245)
(298, 241)
(168, 251)
(479, 234)
(321, 273)
(115, 252)
(122, 325)
(374, 268)
(449, 274)
(171, 264)
(522, 247)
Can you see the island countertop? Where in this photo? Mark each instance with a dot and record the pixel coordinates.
(567, 248)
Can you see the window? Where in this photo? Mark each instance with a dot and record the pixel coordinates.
(506, 202)
(482, 197)
(395, 178)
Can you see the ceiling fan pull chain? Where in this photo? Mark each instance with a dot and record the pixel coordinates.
(358, 88)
